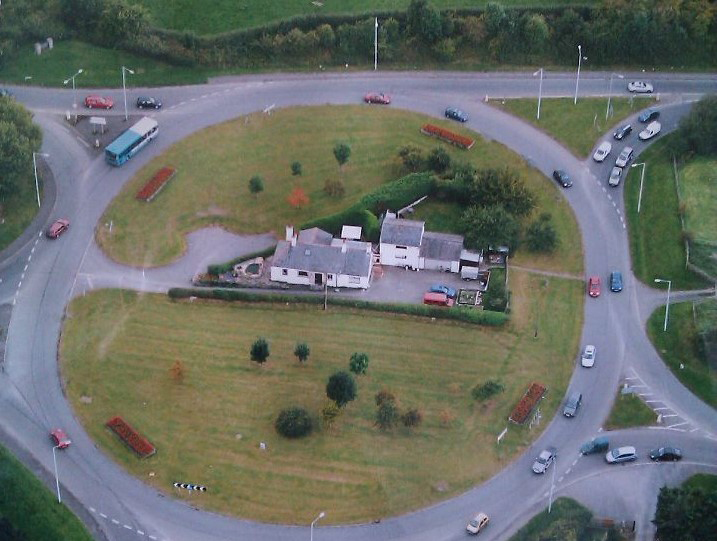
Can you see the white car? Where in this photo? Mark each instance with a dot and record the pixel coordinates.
(639, 87)
(477, 523)
(544, 460)
(587, 359)
(624, 157)
(615, 175)
(652, 129)
(602, 151)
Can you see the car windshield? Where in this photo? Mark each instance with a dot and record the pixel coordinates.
(474, 523)
(615, 453)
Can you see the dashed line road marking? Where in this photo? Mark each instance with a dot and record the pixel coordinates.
(567, 471)
(574, 462)
(93, 509)
(560, 479)
(115, 521)
(609, 196)
(153, 538)
(694, 430)
(670, 415)
(103, 515)
(127, 527)
(140, 532)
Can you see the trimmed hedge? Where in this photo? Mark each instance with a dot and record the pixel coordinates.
(465, 315)
(221, 268)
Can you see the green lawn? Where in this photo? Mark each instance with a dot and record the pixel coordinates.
(577, 126)
(705, 481)
(29, 511)
(117, 348)
(629, 411)
(215, 165)
(656, 243)
(17, 212)
(678, 346)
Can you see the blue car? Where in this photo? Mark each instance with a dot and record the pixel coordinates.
(456, 114)
(649, 114)
(616, 281)
(446, 290)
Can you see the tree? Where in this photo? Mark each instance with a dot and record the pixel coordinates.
(387, 415)
(502, 187)
(260, 351)
(412, 158)
(302, 351)
(298, 198)
(541, 235)
(490, 226)
(439, 160)
(687, 513)
(293, 423)
(496, 297)
(341, 388)
(485, 390)
(256, 185)
(296, 169)
(412, 418)
(342, 153)
(424, 21)
(358, 363)
(698, 130)
(177, 371)
(536, 33)
(19, 138)
(120, 21)
(494, 18)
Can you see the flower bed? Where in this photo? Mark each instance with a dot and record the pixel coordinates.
(527, 404)
(156, 183)
(448, 136)
(131, 437)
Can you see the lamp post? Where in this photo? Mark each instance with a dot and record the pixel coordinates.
(124, 89)
(540, 89)
(642, 178)
(577, 80)
(319, 517)
(74, 89)
(667, 306)
(609, 92)
(57, 479)
(375, 44)
(34, 166)
(552, 484)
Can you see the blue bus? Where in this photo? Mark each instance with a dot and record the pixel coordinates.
(130, 142)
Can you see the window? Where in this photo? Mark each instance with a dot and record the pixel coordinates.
(401, 248)
(304, 274)
(329, 276)
(285, 272)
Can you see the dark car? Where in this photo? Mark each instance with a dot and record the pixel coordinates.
(649, 114)
(622, 132)
(562, 178)
(446, 290)
(596, 445)
(456, 114)
(377, 97)
(144, 102)
(666, 454)
(572, 404)
(58, 228)
(615, 281)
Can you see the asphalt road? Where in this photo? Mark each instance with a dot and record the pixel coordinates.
(40, 277)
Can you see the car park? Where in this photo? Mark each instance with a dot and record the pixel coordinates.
(622, 132)
(648, 114)
(98, 102)
(625, 156)
(602, 151)
(666, 454)
(640, 87)
(652, 129)
(572, 404)
(147, 102)
(545, 459)
(456, 114)
(596, 445)
(621, 454)
(615, 281)
(615, 174)
(594, 286)
(57, 228)
(562, 178)
(587, 359)
(377, 97)
(477, 523)
(59, 438)
(443, 288)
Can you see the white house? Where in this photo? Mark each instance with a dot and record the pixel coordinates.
(316, 258)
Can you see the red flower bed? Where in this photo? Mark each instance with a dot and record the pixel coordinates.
(156, 183)
(449, 136)
(527, 404)
(131, 437)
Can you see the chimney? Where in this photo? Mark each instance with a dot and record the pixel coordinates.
(289, 232)
(293, 240)
(343, 247)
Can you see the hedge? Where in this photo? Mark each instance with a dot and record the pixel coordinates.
(464, 315)
(221, 268)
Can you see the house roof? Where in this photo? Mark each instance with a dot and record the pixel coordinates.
(441, 246)
(401, 232)
(352, 232)
(325, 259)
(315, 236)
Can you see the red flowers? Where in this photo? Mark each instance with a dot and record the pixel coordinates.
(530, 399)
(131, 437)
(448, 136)
(156, 183)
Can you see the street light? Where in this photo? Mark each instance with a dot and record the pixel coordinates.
(57, 480)
(375, 44)
(642, 178)
(124, 89)
(577, 80)
(34, 166)
(552, 484)
(609, 92)
(540, 89)
(74, 90)
(321, 515)
(667, 306)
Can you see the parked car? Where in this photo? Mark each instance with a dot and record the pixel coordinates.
(98, 102)
(377, 97)
(59, 438)
(544, 460)
(648, 114)
(57, 228)
(652, 129)
(622, 132)
(477, 523)
(602, 151)
(621, 454)
(596, 445)
(666, 454)
(443, 288)
(456, 114)
(562, 178)
(572, 404)
(594, 286)
(587, 359)
(639, 87)
(438, 299)
(615, 175)
(147, 102)
(615, 281)
(625, 156)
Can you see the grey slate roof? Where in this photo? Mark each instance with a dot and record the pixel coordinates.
(441, 246)
(322, 258)
(401, 232)
(315, 236)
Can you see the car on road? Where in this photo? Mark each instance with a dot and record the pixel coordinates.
(594, 286)
(622, 132)
(98, 102)
(596, 445)
(621, 454)
(456, 114)
(562, 178)
(57, 228)
(377, 97)
(616, 281)
(545, 459)
(148, 102)
(572, 404)
(602, 151)
(477, 523)
(625, 156)
(648, 114)
(640, 87)
(59, 438)
(652, 129)
(443, 288)
(587, 359)
(615, 174)
(666, 454)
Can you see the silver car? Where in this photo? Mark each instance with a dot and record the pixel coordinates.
(624, 157)
(602, 151)
(615, 175)
(639, 87)
(621, 454)
(545, 459)
(588, 357)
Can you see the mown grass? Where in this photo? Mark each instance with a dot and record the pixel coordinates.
(678, 347)
(656, 242)
(577, 126)
(629, 411)
(215, 165)
(29, 511)
(17, 212)
(117, 348)
(703, 481)
(698, 193)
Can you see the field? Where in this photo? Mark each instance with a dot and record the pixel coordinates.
(118, 347)
(214, 167)
(629, 411)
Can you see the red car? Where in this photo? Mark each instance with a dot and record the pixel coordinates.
(58, 228)
(594, 286)
(377, 97)
(98, 102)
(59, 438)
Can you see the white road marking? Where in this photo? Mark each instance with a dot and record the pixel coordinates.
(645, 394)
(204, 96)
(631, 377)
(83, 142)
(114, 521)
(25, 268)
(678, 424)
(93, 509)
(609, 196)
(560, 479)
(676, 429)
(694, 430)
(648, 401)
(567, 471)
(661, 408)
(153, 538)
(103, 515)
(140, 532)
(618, 211)
(127, 526)
(670, 415)
(575, 461)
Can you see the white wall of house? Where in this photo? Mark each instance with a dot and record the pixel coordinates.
(292, 276)
(297, 277)
(400, 256)
(352, 281)
(439, 265)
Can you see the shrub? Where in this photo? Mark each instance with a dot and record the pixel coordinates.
(296, 168)
(260, 351)
(412, 418)
(298, 198)
(293, 423)
(487, 389)
(302, 351)
(256, 184)
(220, 268)
(439, 160)
(384, 395)
(334, 188)
(341, 388)
(358, 363)
(412, 158)
(342, 153)
(387, 415)
(329, 413)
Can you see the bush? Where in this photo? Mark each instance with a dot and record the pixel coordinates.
(412, 418)
(439, 160)
(412, 158)
(256, 184)
(387, 415)
(302, 351)
(487, 389)
(296, 167)
(341, 388)
(260, 351)
(358, 363)
(334, 188)
(384, 395)
(293, 423)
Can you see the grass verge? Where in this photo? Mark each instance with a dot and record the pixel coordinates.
(703, 481)
(629, 411)
(16, 214)
(678, 347)
(29, 511)
(118, 347)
